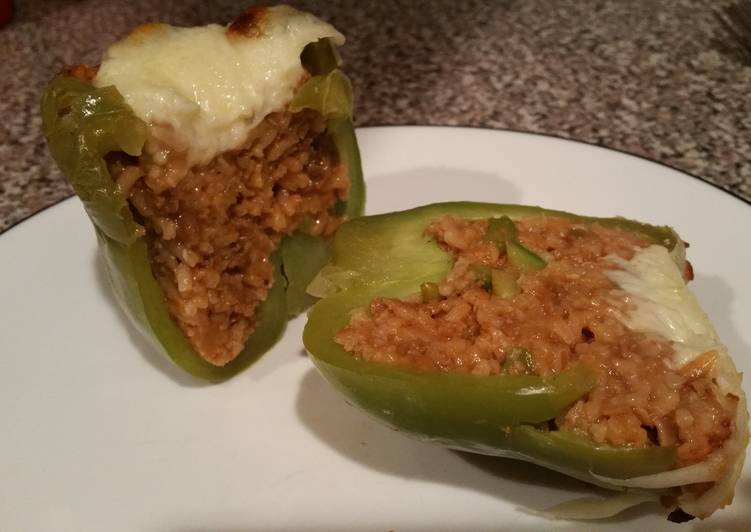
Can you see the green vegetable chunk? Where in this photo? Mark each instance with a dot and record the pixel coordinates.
(504, 284)
(503, 233)
(500, 230)
(389, 256)
(82, 124)
(523, 258)
(429, 292)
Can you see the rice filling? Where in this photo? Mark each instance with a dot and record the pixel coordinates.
(212, 229)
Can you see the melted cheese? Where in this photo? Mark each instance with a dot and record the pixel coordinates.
(204, 88)
(663, 304)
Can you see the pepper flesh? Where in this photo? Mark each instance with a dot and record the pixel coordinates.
(504, 284)
(82, 124)
(523, 258)
(390, 256)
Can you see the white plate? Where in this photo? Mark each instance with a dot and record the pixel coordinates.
(100, 433)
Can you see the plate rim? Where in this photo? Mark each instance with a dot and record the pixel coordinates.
(469, 127)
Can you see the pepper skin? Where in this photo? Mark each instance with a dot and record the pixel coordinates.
(504, 415)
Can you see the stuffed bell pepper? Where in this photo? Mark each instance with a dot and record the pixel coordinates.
(215, 164)
(567, 341)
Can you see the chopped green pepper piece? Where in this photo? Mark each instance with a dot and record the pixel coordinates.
(387, 256)
(504, 284)
(500, 230)
(523, 258)
(503, 233)
(82, 124)
(429, 292)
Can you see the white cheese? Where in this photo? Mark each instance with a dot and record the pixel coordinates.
(663, 304)
(207, 87)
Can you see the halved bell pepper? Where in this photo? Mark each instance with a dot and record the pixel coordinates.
(506, 415)
(83, 123)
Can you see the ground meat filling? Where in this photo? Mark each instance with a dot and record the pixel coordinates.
(563, 315)
(212, 229)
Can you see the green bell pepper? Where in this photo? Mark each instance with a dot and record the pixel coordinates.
(504, 284)
(502, 232)
(523, 259)
(82, 124)
(505, 415)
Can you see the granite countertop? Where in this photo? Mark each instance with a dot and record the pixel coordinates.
(657, 79)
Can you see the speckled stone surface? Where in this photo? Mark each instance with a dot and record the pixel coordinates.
(658, 79)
